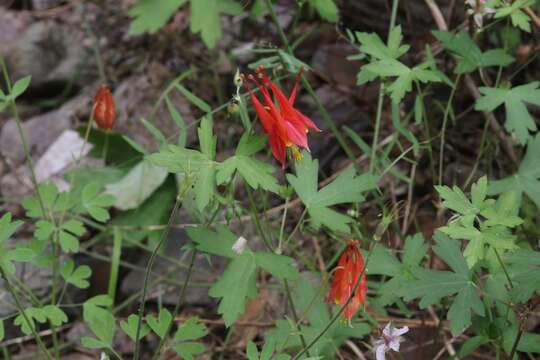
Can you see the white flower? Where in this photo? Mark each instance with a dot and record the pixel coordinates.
(479, 10)
(240, 245)
(390, 340)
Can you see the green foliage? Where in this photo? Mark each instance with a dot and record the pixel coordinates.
(517, 16)
(7, 256)
(383, 262)
(32, 314)
(78, 277)
(161, 324)
(431, 285)
(468, 54)
(255, 172)
(495, 220)
(526, 180)
(266, 353)
(100, 320)
(518, 119)
(346, 188)
(384, 63)
(198, 167)
(241, 273)
(184, 345)
(130, 327)
(95, 203)
(149, 16)
(308, 300)
(327, 9)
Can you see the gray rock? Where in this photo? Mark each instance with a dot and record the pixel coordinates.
(41, 131)
(50, 52)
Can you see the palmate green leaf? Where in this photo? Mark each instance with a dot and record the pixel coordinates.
(405, 76)
(517, 16)
(53, 201)
(431, 286)
(455, 199)
(205, 18)
(327, 9)
(55, 315)
(242, 270)
(240, 275)
(346, 188)
(7, 227)
(95, 202)
(373, 45)
(100, 320)
(77, 277)
(468, 54)
(256, 173)
(130, 327)
(161, 324)
(518, 119)
(525, 273)
(218, 242)
(32, 315)
(527, 178)
(150, 15)
(137, 186)
(198, 166)
(191, 329)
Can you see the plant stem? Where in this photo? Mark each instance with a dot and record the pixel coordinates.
(380, 101)
(377, 129)
(33, 177)
(115, 263)
(164, 234)
(178, 304)
(23, 137)
(9, 288)
(341, 310)
(443, 130)
(285, 283)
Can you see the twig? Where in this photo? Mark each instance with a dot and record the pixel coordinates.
(535, 19)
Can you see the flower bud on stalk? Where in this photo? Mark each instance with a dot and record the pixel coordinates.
(104, 108)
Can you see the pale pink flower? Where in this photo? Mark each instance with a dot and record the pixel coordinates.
(390, 340)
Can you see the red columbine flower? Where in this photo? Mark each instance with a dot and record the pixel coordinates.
(104, 108)
(346, 275)
(285, 126)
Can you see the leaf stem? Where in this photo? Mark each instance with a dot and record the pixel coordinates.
(10, 289)
(151, 260)
(443, 130)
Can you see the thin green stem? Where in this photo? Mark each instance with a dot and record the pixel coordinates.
(443, 130)
(164, 234)
(341, 310)
(22, 136)
(115, 263)
(10, 289)
(375, 141)
(178, 305)
(258, 225)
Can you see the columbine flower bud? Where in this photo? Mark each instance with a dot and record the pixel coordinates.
(240, 245)
(104, 108)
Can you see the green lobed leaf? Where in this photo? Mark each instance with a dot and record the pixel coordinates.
(150, 16)
(161, 324)
(130, 327)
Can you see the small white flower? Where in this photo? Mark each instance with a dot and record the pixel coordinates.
(390, 340)
(479, 10)
(240, 245)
